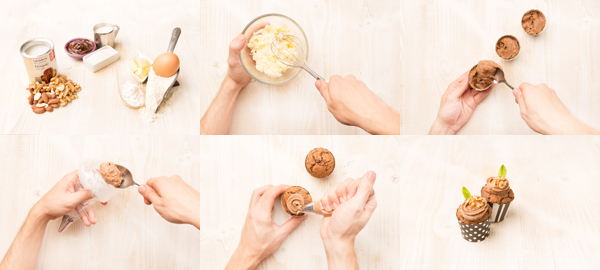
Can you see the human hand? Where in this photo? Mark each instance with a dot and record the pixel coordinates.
(175, 200)
(352, 103)
(544, 113)
(457, 106)
(260, 235)
(62, 199)
(235, 71)
(352, 209)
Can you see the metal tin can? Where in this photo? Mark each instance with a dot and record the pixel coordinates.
(40, 60)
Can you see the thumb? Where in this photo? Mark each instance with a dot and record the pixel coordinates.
(365, 187)
(149, 193)
(323, 88)
(81, 196)
(237, 44)
(286, 228)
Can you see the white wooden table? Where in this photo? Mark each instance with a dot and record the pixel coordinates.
(145, 26)
(129, 234)
(552, 224)
(408, 52)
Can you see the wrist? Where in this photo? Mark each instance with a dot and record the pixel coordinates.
(340, 253)
(244, 258)
(439, 128)
(37, 215)
(230, 84)
(387, 123)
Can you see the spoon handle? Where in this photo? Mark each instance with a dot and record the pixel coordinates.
(174, 38)
(512, 88)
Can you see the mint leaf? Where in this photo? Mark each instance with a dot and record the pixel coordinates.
(502, 172)
(466, 193)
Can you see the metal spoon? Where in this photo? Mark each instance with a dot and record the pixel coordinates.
(127, 178)
(498, 78)
(71, 217)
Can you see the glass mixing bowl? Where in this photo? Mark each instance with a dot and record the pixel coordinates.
(249, 64)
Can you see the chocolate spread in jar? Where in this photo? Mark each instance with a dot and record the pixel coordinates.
(80, 46)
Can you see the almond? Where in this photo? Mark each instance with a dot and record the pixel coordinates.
(39, 110)
(49, 109)
(54, 105)
(53, 101)
(37, 96)
(45, 98)
(31, 99)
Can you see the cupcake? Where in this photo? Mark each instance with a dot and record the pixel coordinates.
(294, 199)
(498, 193)
(473, 217)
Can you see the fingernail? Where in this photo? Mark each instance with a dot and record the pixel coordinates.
(318, 83)
(141, 189)
(328, 208)
(240, 38)
(335, 206)
(341, 200)
(371, 176)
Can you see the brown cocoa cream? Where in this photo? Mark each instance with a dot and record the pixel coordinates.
(533, 22)
(508, 47)
(80, 46)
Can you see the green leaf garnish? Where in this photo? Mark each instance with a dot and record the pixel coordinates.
(502, 172)
(466, 193)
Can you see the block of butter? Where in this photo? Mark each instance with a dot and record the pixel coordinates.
(100, 58)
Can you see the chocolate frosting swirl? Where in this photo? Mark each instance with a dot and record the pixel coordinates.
(295, 204)
(474, 210)
(497, 190)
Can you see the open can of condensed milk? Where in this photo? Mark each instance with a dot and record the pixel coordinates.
(40, 60)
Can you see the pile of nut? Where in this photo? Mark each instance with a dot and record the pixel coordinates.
(45, 97)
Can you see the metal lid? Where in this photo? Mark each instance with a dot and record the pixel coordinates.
(36, 41)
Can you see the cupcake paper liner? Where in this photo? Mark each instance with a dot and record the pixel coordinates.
(476, 232)
(498, 211)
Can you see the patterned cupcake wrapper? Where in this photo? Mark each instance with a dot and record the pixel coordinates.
(476, 232)
(498, 211)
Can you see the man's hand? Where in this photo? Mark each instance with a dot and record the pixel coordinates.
(236, 72)
(260, 235)
(352, 103)
(62, 199)
(544, 113)
(217, 118)
(58, 201)
(175, 200)
(457, 106)
(353, 209)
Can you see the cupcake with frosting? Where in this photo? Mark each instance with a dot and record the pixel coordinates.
(499, 195)
(473, 217)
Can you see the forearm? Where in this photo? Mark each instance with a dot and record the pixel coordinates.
(388, 123)
(217, 118)
(440, 129)
(581, 129)
(340, 255)
(242, 260)
(24, 251)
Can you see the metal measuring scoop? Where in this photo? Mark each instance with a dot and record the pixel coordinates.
(498, 78)
(174, 38)
(285, 56)
(71, 217)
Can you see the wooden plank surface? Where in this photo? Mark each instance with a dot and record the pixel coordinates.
(408, 52)
(129, 234)
(552, 224)
(145, 26)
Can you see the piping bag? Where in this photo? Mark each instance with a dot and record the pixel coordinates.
(317, 208)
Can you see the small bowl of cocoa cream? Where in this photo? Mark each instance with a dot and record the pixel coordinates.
(533, 22)
(508, 47)
(79, 47)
